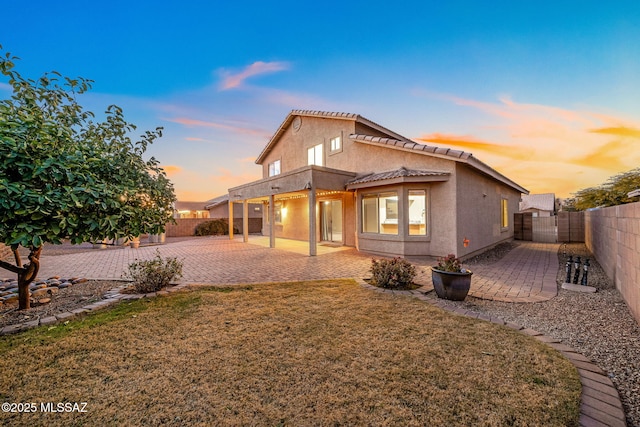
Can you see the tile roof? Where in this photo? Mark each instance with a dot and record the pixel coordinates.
(545, 202)
(398, 173)
(192, 206)
(216, 201)
(411, 145)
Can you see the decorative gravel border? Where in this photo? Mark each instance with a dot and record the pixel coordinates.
(111, 297)
(600, 403)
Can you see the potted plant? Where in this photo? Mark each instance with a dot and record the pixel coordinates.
(450, 280)
(135, 243)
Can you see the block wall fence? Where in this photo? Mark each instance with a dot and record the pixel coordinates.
(187, 226)
(613, 236)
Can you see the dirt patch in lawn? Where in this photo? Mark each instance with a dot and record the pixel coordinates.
(313, 353)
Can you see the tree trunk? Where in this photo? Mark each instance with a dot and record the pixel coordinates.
(26, 276)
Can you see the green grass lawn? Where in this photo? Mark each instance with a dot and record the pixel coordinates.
(312, 353)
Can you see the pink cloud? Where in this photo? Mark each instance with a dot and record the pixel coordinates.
(235, 80)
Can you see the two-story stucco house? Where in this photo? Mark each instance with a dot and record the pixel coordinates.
(338, 177)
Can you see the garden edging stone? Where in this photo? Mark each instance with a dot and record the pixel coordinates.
(112, 297)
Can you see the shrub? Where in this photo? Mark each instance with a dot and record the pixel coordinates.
(392, 273)
(449, 263)
(216, 227)
(154, 274)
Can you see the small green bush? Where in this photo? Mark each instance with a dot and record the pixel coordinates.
(154, 274)
(216, 227)
(392, 273)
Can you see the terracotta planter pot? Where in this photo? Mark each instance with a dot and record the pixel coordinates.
(450, 285)
(135, 243)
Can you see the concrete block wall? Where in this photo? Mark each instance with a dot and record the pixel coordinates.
(187, 226)
(613, 236)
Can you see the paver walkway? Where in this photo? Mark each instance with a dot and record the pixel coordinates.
(526, 274)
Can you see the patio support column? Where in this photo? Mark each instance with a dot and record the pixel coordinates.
(313, 250)
(272, 215)
(245, 220)
(230, 219)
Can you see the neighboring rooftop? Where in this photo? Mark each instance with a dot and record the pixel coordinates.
(189, 206)
(543, 202)
(216, 201)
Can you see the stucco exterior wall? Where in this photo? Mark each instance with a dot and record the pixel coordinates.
(358, 157)
(479, 211)
(613, 236)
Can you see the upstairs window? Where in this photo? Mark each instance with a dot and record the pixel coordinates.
(314, 155)
(336, 144)
(274, 168)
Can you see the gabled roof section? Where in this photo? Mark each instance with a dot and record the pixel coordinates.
(445, 153)
(216, 201)
(543, 202)
(327, 115)
(189, 206)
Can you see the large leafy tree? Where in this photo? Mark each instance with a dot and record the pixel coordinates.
(611, 193)
(66, 175)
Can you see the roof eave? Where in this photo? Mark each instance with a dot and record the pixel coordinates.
(398, 180)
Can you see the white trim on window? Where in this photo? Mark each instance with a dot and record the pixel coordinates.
(314, 155)
(275, 168)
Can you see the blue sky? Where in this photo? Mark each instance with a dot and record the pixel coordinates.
(546, 92)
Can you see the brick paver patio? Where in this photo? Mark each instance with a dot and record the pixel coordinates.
(526, 274)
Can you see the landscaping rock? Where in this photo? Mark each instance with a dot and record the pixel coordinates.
(11, 300)
(40, 292)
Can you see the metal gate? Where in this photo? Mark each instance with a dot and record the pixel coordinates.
(535, 229)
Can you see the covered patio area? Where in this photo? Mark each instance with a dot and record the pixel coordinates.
(292, 205)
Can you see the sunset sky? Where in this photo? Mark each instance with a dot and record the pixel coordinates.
(546, 92)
